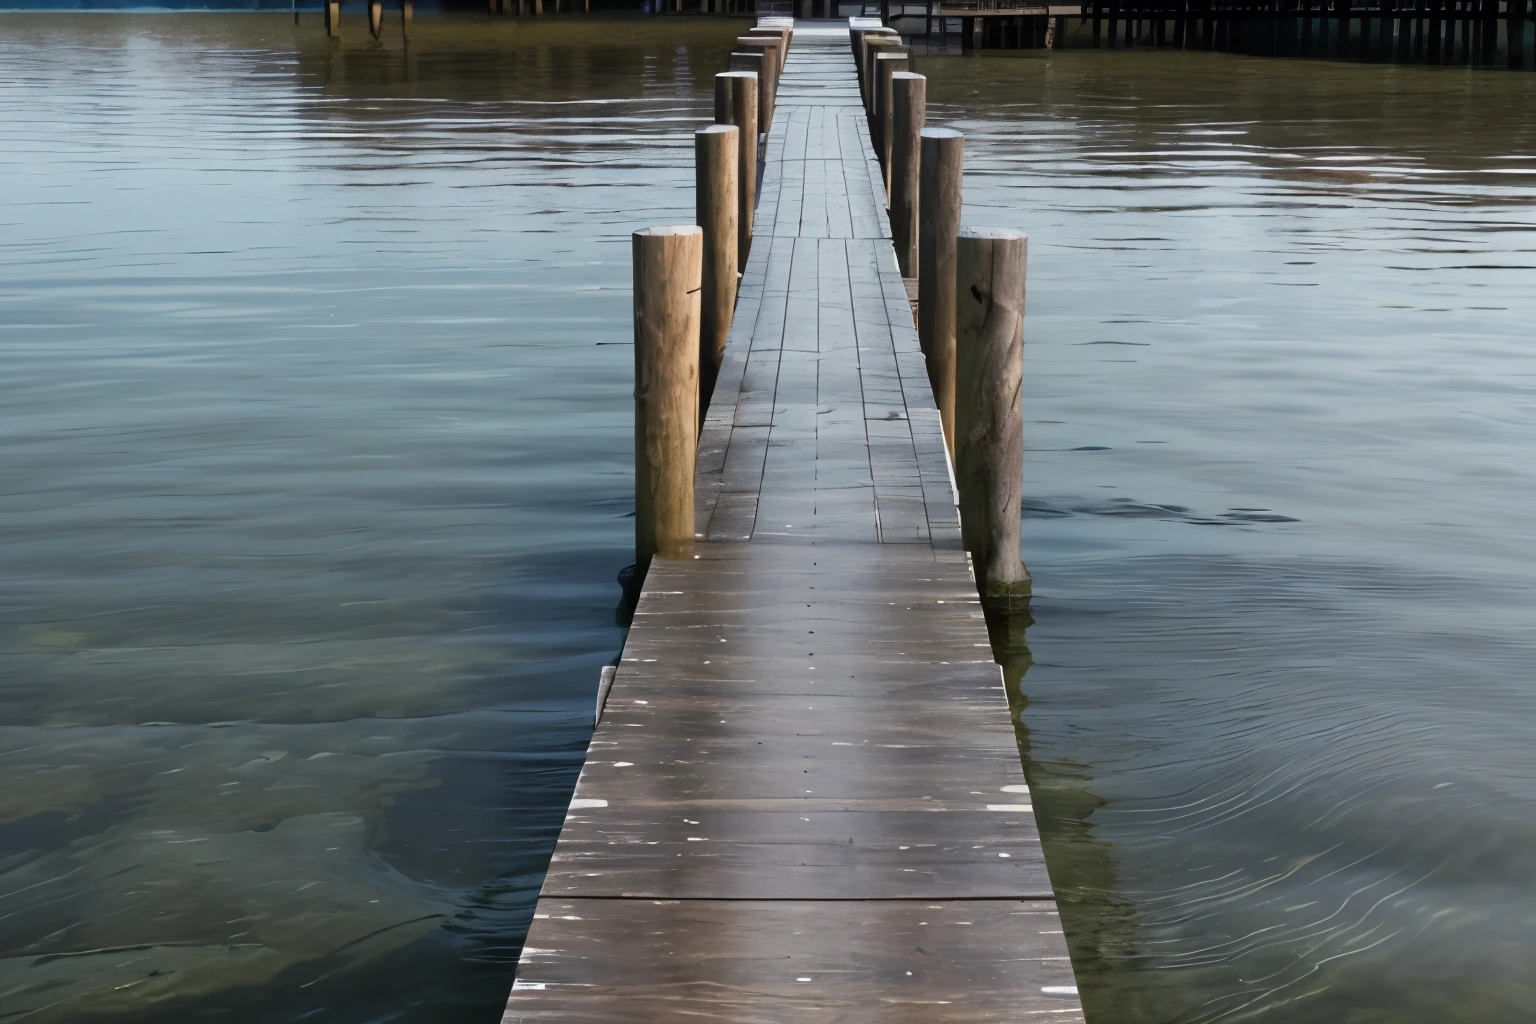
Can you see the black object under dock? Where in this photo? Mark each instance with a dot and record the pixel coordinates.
(804, 801)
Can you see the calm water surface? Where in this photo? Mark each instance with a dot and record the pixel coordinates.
(317, 427)
(1280, 407)
(316, 412)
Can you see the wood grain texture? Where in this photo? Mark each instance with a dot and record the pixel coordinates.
(806, 767)
(717, 154)
(769, 47)
(939, 197)
(736, 103)
(887, 63)
(989, 420)
(909, 114)
(667, 269)
(852, 962)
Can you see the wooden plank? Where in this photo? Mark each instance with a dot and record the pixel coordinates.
(854, 962)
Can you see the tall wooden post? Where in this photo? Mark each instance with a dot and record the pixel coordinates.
(860, 40)
(942, 162)
(909, 110)
(874, 45)
(768, 85)
(736, 103)
(989, 442)
(886, 64)
(333, 18)
(668, 270)
(752, 62)
(779, 35)
(716, 156)
(407, 15)
(375, 17)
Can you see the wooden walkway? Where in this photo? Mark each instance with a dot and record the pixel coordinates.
(804, 801)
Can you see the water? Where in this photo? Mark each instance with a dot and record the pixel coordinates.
(1280, 398)
(317, 467)
(316, 412)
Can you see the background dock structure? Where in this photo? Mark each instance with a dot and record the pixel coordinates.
(804, 799)
(1485, 33)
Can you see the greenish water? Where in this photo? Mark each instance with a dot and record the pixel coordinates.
(1280, 399)
(316, 413)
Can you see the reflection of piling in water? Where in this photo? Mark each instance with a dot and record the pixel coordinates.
(1100, 931)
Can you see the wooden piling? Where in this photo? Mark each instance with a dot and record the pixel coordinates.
(768, 85)
(909, 112)
(781, 35)
(375, 17)
(717, 153)
(860, 40)
(989, 419)
(333, 18)
(886, 64)
(736, 103)
(941, 165)
(752, 62)
(873, 47)
(668, 266)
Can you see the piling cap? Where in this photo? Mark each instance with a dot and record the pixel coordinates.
(718, 129)
(1002, 234)
(941, 133)
(737, 74)
(908, 75)
(670, 229)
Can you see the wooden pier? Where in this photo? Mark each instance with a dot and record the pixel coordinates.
(804, 800)
(1484, 33)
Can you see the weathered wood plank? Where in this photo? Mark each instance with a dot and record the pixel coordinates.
(854, 962)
